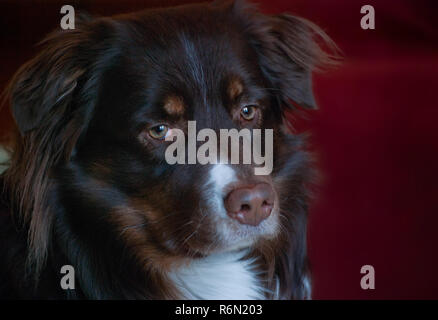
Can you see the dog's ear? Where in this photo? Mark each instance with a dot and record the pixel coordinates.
(43, 87)
(289, 49)
(51, 98)
(292, 56)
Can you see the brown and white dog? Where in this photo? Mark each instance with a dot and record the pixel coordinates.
(88, 184)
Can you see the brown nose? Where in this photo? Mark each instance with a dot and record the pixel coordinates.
(250, 205)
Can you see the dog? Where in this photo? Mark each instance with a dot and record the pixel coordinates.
(87, 183)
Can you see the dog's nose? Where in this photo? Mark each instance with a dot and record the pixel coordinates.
(250, 205)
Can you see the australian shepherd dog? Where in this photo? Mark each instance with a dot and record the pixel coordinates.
(88, 185)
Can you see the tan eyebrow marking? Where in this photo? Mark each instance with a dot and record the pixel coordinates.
(174, 105)
(235, 88)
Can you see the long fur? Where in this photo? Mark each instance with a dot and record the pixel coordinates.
(54, 99)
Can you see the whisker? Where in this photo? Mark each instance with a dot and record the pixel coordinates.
(132, 227)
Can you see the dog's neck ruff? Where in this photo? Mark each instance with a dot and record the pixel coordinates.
(225, 276)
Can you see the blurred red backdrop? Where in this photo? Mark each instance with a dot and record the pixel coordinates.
(375, 134)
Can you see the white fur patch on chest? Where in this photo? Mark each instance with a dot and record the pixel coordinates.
(224, 276)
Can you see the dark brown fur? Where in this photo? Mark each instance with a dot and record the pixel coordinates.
(82, 190)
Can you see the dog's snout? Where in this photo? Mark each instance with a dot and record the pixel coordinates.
(250, 205)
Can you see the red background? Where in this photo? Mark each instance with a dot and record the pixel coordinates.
(375, 133)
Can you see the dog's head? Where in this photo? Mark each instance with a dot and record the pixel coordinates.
(97, 110)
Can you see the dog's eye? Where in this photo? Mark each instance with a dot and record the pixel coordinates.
(248, 112)
(159, 132)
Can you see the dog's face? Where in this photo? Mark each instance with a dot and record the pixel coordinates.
(203, 71)
(116, 90)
